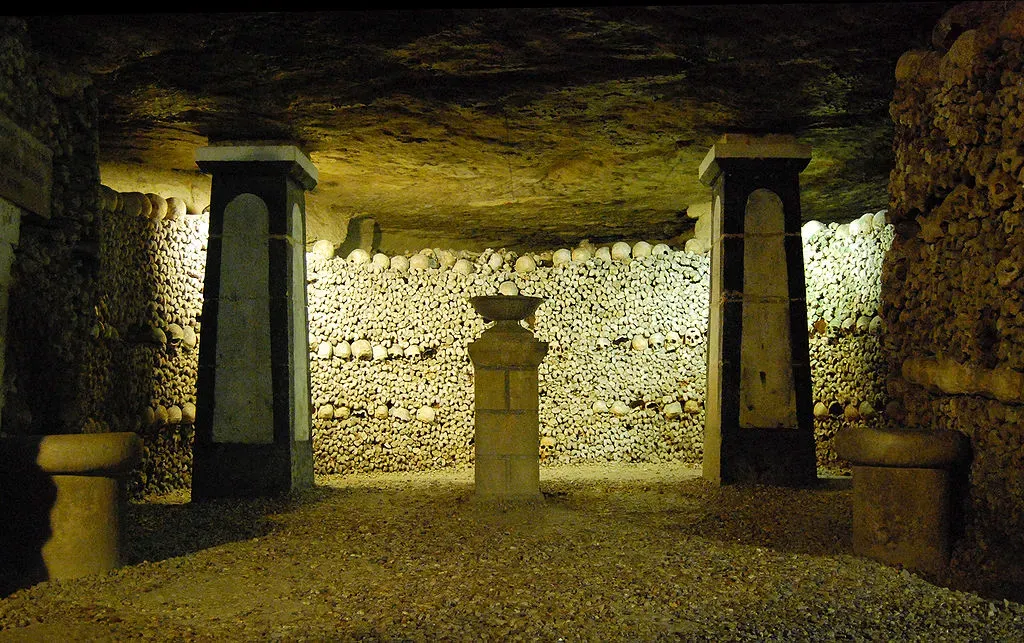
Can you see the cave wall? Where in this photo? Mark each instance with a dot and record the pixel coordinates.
(842, 267)
(85, 348)
(951, 283)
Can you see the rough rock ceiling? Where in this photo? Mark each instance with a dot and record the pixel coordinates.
(519, 127)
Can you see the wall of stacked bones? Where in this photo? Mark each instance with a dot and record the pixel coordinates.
(392, 383)
(952, 281)
(47, 387)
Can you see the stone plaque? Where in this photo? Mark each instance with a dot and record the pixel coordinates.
(26, 169)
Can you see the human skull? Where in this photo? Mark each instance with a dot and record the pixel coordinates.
(508, 288)
(547, 446)
(175, 334)
(693, 336)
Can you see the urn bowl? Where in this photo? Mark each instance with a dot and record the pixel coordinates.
(505, 307)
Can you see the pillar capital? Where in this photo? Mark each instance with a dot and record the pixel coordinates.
(252, 158)
(777, 148)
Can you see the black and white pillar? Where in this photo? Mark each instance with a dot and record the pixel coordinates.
(253, 412)
(760, 425)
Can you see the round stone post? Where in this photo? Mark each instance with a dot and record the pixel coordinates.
(505, 361)
(66, 494)
(905, 506)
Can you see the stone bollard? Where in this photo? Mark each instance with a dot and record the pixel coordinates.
(507, 438)
(904, 485)
(65, 493)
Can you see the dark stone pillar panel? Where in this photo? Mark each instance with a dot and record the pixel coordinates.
(804, 398)
(281, 344)
(730, 404)
(769, 456)
(732, 265)
(208, 345)
(282, 274)
(207, 366)
(798, 340)
(734, 199)
(211, 280)
(794, 245)
(226, 470)
(206, 380)
(296, 228)
(732, 329)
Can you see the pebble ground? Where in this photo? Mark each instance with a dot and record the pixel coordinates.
(612, 553)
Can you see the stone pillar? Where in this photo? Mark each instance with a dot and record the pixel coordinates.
(759, 426)
(507, 438)
(253, 410)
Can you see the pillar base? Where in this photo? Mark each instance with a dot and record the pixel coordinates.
(777, 457)
(508, 476)
(222, 470)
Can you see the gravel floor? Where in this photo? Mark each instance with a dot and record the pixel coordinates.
(615, 552)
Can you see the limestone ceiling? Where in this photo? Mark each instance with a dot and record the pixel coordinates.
(518, 127)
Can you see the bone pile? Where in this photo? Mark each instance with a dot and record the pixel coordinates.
(842, 267)
(953, 296)
(148, 324)
(626, 324)
(392, 382)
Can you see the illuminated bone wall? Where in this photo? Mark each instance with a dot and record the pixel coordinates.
(625, 373)
(392, 383)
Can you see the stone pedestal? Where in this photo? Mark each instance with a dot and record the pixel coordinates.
(507, 438)
(903, 494)
(759, 426)
(253, 410)
(63, 497)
